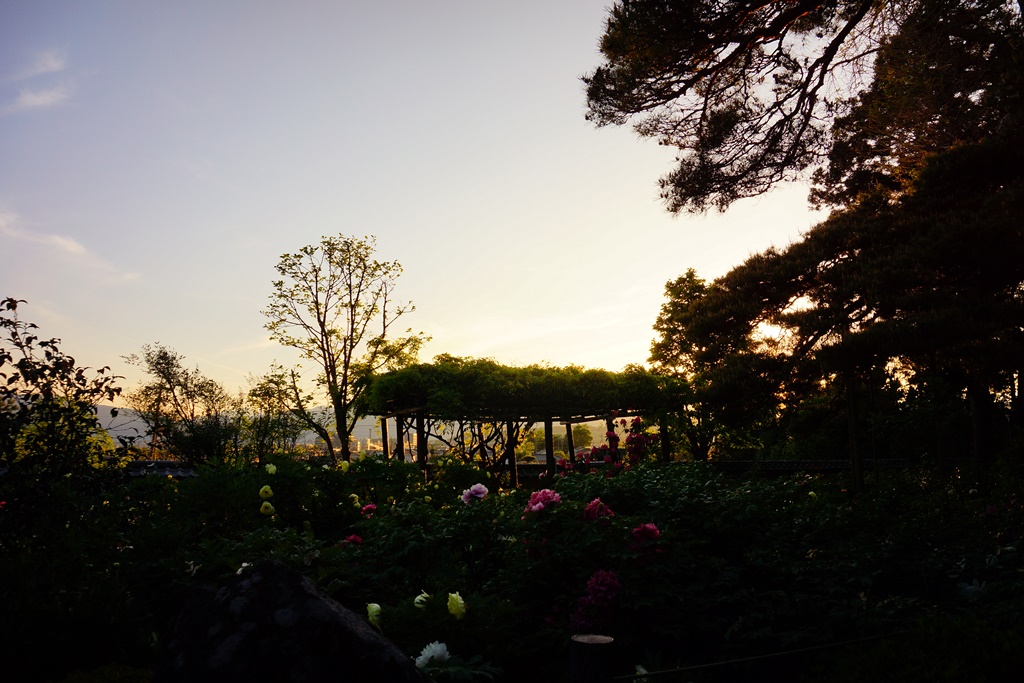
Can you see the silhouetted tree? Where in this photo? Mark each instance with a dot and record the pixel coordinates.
(927, 283)
(190, 415)
(48, 421)
(271, 426)
(334, 303)
(748, 91)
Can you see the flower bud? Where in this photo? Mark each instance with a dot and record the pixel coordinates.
(456, 605)
(373, 613)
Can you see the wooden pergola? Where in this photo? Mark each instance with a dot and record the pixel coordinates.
(463, 390)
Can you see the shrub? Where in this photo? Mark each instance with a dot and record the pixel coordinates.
(680, 564)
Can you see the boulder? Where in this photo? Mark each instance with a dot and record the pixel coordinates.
(270, 623)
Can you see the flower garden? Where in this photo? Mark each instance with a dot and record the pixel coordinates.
(691, 571)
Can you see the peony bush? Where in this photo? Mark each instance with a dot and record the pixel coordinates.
(680, 564)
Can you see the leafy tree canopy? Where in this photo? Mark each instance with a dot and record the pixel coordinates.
(935, 272)
(930, 281)
(753, 92)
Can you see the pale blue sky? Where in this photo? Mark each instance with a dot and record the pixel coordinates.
(157, 158)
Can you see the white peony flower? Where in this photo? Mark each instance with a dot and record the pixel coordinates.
(435, 651)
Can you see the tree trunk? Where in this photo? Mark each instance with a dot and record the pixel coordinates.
(344, 431)
(700, 448)
(982, 410)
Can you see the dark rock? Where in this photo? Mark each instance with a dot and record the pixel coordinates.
(272, 624)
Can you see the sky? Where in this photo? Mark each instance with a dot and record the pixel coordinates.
(157, 159)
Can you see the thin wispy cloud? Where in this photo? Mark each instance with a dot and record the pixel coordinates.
(60, 246)
(61, 243)
(29, 99)
(264, 342)
(47, 62)
(37, 91)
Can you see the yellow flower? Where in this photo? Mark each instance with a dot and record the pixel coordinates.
(456, 605)
(373, 613)
(355, 500)
(266, 492)
(421, 600)
(427, 499)
(267, 508)
(344, 466)
(271, 468)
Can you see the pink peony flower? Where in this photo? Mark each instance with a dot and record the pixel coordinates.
(474, 492)
(368, 510)
(542, 499)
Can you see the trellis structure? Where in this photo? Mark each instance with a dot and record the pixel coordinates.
(480, 390)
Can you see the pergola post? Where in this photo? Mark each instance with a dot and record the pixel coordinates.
(510, 453)
(549, 445)
(421, 440)
(400, 438)
(569, 444)
(384, 437)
